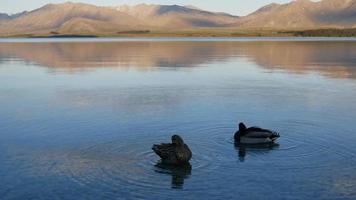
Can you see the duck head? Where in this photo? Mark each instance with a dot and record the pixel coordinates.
(242, 126)
(240, 132)
(177, 140)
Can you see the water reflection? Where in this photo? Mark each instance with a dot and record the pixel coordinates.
(178, 173)
(332, 59)
(89, 135)
(243, 149)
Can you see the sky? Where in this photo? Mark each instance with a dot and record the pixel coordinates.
(236, 7)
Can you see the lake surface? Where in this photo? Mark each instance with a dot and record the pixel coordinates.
(79, 117)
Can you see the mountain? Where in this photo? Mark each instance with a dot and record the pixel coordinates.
(70, 18)
(78, 18)
(177, 17)
(4, 16)
(303, 14)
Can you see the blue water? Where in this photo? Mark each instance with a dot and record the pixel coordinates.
(78, 118)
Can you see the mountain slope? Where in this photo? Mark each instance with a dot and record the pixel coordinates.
(79, 18)
(4, 16)
(303, 14)
(53, 17)
(177, 17)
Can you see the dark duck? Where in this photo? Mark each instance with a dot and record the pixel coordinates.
(254, 135)
(175, 153)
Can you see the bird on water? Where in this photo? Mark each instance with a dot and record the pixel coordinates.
(175, 153)
(254, 135)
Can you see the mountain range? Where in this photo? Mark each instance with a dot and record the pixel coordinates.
(80, 18)
(302, 14)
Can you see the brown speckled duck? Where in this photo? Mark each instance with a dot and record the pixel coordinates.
(175, 153)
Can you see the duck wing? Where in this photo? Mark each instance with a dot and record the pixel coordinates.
(164, 151)
(256, 132)
(258, 129)
(183, 154)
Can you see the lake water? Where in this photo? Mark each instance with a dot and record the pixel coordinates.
(78, 118)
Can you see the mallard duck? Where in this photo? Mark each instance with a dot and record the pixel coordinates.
(175, 153)
(254, 135)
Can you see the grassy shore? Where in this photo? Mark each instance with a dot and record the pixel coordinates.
(203, 33)
(324, 33)
(186, 33)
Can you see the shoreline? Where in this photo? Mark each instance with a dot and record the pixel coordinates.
(175, 36)
(175, 39)
(202, 33)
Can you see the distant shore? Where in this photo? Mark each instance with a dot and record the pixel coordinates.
(199, 33)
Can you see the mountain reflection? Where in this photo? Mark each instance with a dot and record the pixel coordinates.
(332, 59)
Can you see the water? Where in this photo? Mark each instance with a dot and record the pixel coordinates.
(78, 118)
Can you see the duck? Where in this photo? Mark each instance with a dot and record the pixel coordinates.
(255, 135)
(175, 153)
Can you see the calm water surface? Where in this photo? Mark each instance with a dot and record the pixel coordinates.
(78, 118)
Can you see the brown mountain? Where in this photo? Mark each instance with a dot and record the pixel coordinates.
(70, 18)
(79, 18)
(303, 14)
(76, 18)
(177, 17)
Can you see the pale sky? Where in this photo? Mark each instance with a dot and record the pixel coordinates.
(236, 7)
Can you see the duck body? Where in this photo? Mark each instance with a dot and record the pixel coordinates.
(175, 153)
(254, 135)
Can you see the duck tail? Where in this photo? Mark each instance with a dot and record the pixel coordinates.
(162, 150)
(275, 135)
(157, 149)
